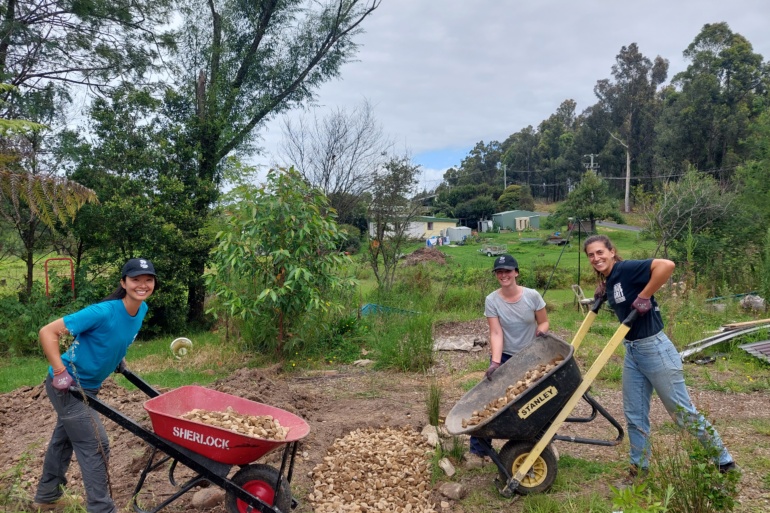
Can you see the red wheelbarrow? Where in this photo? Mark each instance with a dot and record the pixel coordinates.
(209, 451)
(526, 463)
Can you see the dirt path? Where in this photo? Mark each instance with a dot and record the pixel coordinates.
(337, 402)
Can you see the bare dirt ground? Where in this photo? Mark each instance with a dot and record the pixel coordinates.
(334, 403)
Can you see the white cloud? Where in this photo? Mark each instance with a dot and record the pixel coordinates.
(447, 74)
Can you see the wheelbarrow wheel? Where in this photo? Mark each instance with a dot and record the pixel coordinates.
(259, 480)
(542, 474)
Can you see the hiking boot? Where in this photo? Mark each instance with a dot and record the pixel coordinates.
(60, 504)
(729, 467)
(635, 474)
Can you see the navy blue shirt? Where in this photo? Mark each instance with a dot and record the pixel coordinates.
(626, 280)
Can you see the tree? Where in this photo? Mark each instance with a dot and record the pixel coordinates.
(708, 112)
(516, 197)
(33, 199)
(276, 260)
(78, 42)
(478, 208)
(390, 213)
(589, 201)
(337, 153)
(238, 64)
(686, 207)
(630, 100)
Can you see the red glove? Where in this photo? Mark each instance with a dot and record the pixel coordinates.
(491, 370)
(642, 305)
(62, 381)
(601, 290)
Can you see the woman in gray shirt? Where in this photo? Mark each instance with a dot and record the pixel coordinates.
(516, 315)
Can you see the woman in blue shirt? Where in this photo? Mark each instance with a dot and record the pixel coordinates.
(102, 333)
(651, 362)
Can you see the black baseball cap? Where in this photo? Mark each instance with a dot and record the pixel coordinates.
(506, 262)
(137, 267)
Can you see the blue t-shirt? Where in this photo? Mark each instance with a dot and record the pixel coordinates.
(626, 280)
(102, 333)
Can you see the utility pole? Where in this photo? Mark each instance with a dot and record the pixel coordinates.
(591, 166)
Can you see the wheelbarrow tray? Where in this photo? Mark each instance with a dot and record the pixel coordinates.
(533, 410)
(215, 443)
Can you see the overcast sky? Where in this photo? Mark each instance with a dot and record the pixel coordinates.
(443, 75)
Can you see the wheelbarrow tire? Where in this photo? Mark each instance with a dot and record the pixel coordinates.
(259, 480)
(542, 474)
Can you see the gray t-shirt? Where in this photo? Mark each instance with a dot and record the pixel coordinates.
(517, 319)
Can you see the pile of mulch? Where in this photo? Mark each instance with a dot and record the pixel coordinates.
(425, 255)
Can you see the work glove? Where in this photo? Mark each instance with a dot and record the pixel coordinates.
(491, 370)
(62, 381)
(121, 366)
(601, 291)
(642, 305)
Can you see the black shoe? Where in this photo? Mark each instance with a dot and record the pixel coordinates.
(634, 474)
(728, 467)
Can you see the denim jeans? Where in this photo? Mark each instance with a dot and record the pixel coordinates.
(653, 363)
(476, 447)
(79, 428)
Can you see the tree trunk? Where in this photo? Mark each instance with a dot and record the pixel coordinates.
(628, 181)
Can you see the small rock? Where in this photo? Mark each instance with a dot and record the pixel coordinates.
(363, 363)
(444, 505)
(447, 467)
(207, 498)
(454, 491)
(431, 435)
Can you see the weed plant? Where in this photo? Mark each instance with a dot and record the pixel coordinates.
(688, 467)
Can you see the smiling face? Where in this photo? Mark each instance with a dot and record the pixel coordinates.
(138, 288)
(506, 276)
(601, 257)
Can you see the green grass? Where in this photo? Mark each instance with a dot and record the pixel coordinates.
(21, 371)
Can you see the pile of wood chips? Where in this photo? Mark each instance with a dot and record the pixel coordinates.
(257, 426)
(512, 392)
(374, 470)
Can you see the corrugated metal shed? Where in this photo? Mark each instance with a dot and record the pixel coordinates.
(758, 349)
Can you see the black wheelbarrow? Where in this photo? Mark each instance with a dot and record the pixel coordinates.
(526, 463)
(210, 451)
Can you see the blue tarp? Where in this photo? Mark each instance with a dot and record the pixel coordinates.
(372, 308)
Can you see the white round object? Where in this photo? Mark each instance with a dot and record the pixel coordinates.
(180, 346)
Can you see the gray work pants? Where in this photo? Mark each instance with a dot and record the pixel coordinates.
(78, 428)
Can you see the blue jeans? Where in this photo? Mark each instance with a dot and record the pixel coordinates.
(79, 428)
(476, 447)
(653, 363)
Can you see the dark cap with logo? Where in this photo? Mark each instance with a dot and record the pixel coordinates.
(137, 267)
(506, 262)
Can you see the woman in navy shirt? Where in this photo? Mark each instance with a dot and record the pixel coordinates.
(651, 362)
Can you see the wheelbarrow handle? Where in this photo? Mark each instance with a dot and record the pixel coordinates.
(138, 382)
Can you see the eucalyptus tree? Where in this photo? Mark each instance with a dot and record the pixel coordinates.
(237, 65)
(709, 110)
(631, 102)
(338, 152)
(276, 263)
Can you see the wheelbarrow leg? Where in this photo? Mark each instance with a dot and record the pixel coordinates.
(585, 384)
